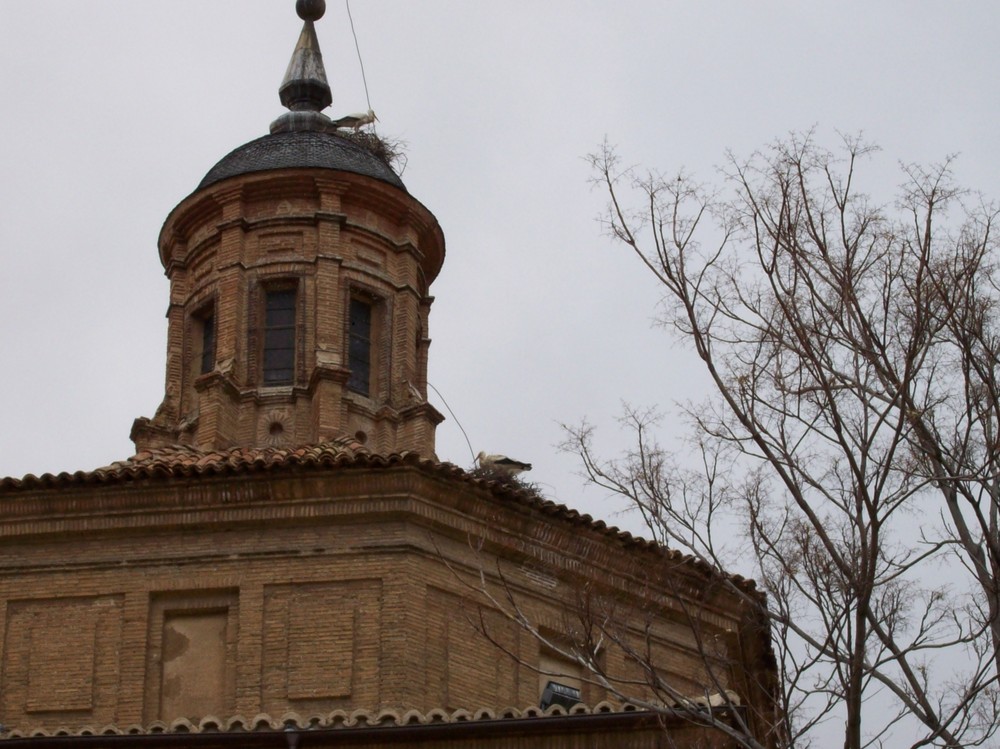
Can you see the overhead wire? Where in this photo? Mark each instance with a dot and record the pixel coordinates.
(364, 80)
(471, 451)
(357, 47)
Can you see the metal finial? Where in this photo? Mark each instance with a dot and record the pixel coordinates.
(304, 87)
(310, 10)
(305, 90)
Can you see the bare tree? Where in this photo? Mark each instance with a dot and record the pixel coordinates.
(849, 458)
(664, 634)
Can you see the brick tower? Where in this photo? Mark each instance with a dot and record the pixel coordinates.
(284, 563)
(299, 275)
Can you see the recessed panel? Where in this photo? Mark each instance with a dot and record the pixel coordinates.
(191, 660)
(193, 679)
(321, 645)
(61, 655)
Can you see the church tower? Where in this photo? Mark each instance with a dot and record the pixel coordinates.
(285, 563)
(300, 272)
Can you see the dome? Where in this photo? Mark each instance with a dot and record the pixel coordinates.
(301, 148)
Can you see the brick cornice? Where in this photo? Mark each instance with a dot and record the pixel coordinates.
(439, 497)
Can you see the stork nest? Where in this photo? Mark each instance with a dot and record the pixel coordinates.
(504, 478)
(392, 151)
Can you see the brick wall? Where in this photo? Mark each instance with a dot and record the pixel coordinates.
(343, 588)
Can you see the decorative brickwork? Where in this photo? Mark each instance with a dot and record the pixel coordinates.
(55, 672)
(326, 237)
(317, 580)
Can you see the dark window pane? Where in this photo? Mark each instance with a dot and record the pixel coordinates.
(278, 377)
(359, 347)
(279, 337)
(360, 351)
(279, 359)
(361, 317)
(280, 318)
(207, 343)
(281, 299)
(358, 381)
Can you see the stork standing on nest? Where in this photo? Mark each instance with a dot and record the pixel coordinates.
(355, 121)
(502, 463)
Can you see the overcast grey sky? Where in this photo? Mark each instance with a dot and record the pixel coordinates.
(113, 111)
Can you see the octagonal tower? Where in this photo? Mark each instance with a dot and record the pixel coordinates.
(300, 272)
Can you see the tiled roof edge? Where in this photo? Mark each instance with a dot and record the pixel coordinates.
(186, 462)
(219, 463)
(335, 720)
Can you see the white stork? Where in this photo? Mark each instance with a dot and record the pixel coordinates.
(502, 464)
(356, 120)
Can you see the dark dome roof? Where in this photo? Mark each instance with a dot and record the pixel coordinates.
(301, 148)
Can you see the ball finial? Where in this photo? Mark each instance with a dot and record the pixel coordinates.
(310, 10)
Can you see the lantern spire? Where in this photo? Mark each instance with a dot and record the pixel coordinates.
(305, 90)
